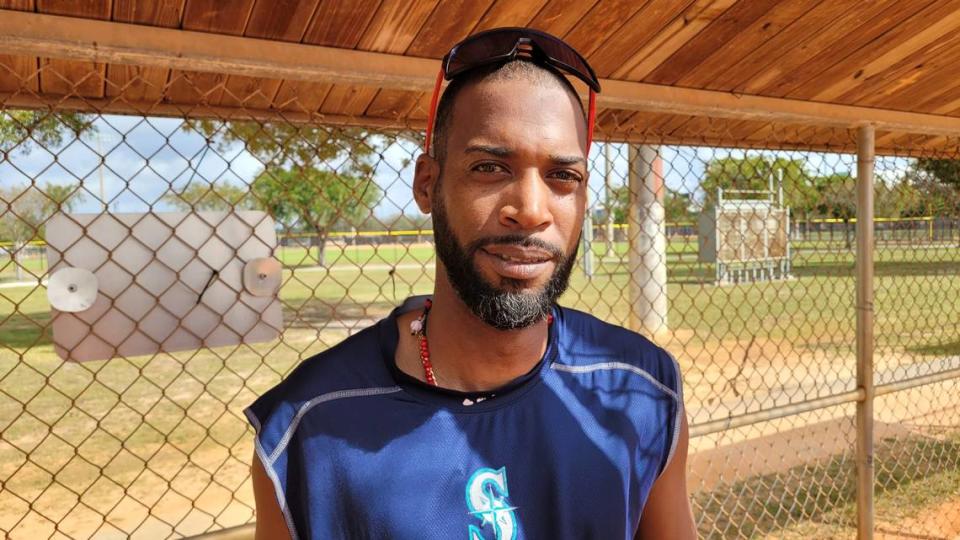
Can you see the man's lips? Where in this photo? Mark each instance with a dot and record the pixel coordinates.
(517, 262)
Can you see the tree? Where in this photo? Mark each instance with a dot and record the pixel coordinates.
(800, 191)
(313, 176)
(218, 196)
(676, 205)
(24, 210)
(937, 182)
(21, 130)
(314, 200)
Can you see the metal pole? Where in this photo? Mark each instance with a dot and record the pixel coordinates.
(864, 269)
(586, 240)
(608, 182)
(647, 237)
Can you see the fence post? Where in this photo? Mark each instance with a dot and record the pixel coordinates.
(864, 270)
(646, 227)
(608, 196)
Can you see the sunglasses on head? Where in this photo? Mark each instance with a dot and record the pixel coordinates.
(505, 44)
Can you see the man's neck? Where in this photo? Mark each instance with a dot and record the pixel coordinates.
(471, 356)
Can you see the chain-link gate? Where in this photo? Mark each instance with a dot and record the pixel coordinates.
(740, 261)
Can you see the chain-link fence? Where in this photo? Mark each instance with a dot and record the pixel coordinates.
(121, 414)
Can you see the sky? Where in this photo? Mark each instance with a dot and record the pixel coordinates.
(144, 157)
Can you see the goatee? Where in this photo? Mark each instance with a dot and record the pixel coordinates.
(499, 308)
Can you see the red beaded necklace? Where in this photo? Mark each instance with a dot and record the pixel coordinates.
(418, 327)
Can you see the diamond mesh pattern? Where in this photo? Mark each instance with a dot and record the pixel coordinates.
(156, 445)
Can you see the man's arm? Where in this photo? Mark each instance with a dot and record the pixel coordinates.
(270, 522)
(667, 513)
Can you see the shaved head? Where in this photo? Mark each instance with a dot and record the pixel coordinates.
(517, 69)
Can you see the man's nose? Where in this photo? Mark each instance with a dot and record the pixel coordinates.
(527, 205)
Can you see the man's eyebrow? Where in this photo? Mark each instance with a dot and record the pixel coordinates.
(502, 151)
(499, 151)
(567, 160)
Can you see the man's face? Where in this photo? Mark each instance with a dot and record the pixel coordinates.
(509, 201)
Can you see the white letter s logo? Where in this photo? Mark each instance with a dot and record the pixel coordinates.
(487, 500)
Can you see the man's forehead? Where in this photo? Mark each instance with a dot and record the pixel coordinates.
(512, 115)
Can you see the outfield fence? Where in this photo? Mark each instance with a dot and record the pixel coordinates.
(820, 396)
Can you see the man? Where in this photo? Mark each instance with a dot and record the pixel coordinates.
(516, 418)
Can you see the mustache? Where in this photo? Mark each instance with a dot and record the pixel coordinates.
(515, 240)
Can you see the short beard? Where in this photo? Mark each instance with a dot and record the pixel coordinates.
(501, 309)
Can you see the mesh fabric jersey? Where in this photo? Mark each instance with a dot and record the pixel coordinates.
(355, 448)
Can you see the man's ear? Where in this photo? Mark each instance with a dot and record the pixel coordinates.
(425, 176)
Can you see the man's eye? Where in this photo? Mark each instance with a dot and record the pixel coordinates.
(567, 176)
(488, 168)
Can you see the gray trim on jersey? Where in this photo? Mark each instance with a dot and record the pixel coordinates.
(609, 366)
(324, 398)
(272, 474)
(679, 416)
(623, 366)
(268, 461)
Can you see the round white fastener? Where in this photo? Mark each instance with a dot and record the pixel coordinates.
(72, 289)
(261, 277)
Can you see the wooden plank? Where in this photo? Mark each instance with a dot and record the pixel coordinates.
(839, 45)
(212, 16)
(336, 23)
(673, 36)
(301, 96)
(68, 77)
(18, 5)
(558, 17)
(419, 110)
(114, 106)
(905, 38)
(450, 21)
(194, 87)
(393, 29)
(606, 19)
(88, 9)
(509, 13)
(714, 36)
(635, 34)
(392, 104)
(730, 56)
(217, 16)
(136, 83)
(707, 137)
(69, 38)
(19, 73)
(785, 56)
(142, 83)
(946, 103)
(768, 58)
(248, 92)
(164, 13)
(72, 77)
(284, 20)
(421, 30)
(395, 25)
(340, 23)
(158, 47)
(911, 81)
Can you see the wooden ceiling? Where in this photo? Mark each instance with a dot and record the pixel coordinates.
(886, 55)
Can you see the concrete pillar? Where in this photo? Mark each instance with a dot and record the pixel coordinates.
(646, 230)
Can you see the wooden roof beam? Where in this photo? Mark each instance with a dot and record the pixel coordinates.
(54, 36)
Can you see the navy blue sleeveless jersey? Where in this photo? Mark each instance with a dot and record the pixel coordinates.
(355, 448)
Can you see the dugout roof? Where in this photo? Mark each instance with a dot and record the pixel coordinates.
(727, 72)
